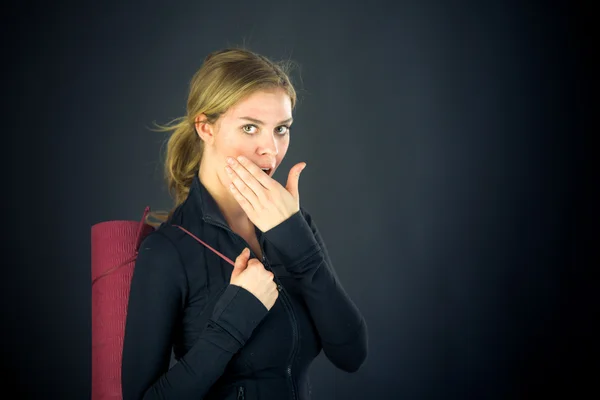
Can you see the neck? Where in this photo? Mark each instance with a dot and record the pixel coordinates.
(234, 214)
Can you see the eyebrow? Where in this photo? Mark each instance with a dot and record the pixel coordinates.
(257, 121)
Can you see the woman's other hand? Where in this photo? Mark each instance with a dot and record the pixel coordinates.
(252, 276)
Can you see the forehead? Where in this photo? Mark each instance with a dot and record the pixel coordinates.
(267, 105)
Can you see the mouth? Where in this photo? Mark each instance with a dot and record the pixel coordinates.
(267, 171)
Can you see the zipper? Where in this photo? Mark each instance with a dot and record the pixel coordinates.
(286, 302)
(240, 393)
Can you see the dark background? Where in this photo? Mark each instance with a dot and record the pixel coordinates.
(449, 169)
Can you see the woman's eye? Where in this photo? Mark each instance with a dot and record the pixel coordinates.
(282, 129)
(249, 128)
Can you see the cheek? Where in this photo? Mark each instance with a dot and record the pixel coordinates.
(283, 148)
(233, 148)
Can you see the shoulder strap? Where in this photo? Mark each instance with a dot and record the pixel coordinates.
(200, 241)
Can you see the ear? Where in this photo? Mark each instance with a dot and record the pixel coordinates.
(204, 129)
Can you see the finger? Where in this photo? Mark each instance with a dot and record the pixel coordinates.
(243, 189)
(245, 204)
(244, 255)
(293, 181)
(255, 262)
(261, 177)
(241, 262)
(248, 180)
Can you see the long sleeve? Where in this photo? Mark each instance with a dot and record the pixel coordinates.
(341, 327)
(156, 300)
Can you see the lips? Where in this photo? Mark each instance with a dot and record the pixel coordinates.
(267, 171)
(267, 168)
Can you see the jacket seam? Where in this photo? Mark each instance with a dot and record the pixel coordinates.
(312, 253)
(182, 263)
(226, 331)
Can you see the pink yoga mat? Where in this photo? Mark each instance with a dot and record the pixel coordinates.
(114, 250)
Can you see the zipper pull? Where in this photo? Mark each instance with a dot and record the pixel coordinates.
(240, 394)
(266, 262)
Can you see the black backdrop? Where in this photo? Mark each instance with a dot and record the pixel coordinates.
(449, 169)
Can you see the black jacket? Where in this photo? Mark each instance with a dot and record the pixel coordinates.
(227, 345)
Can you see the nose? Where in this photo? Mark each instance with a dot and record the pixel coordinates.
(268, 145)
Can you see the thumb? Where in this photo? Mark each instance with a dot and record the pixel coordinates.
(241, 262)
(294, 178)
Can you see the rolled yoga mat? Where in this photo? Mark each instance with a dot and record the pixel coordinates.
(114, 251)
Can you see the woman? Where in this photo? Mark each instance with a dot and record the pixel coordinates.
(252, 330)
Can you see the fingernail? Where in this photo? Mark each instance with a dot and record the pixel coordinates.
(230, 160)
(241, 158)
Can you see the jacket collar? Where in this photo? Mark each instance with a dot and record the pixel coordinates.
(209, 209)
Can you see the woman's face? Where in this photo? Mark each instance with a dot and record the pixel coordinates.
(257, 127)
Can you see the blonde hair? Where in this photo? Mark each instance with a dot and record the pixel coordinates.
(225, 77)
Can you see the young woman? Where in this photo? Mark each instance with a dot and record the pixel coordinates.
(248, 331)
